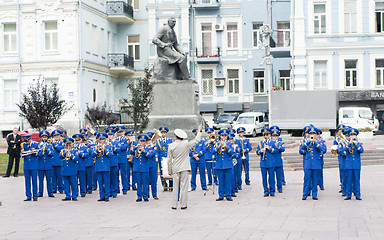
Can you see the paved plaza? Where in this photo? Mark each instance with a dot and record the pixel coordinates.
(249, 216)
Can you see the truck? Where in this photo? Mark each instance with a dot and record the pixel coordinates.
(293, 110)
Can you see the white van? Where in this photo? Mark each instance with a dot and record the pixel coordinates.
(358, 117)
(253, 122)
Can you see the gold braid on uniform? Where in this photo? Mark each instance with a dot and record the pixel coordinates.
(137, 155)
(161, 148)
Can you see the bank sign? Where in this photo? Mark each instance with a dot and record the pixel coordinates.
(361, 95)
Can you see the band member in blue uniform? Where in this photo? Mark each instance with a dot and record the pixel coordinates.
(57, 146)
(266, 150)
(339, 137)
(245, 148)
(343, 159)
(141, 155)
(153, 166)
(102, 153)
(209, 154)
(89, 163)
(224, 165)
(320, 181)
(83, 155)
(275, 127)
(45, 164)
(113, 163)
(162, 151)
(312, 149)
(121, 151)
(352, 151)
(280, 147)
(131, 145)
(69, 157)
(197, 161)
(94, 180)
(29, 151)
(235, 156)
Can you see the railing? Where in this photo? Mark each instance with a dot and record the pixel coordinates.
(205, 1)
(119, 8)
(207, 52)
(120, 60)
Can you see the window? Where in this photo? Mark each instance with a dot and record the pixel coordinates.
(348, 114)
(258, 78)
(350, 73)
(101, 45)
(9, 34)
(256, 33)
(283, 34)
(10, 93)
(134, 47)
(319, 18)
(94, 40)
(94, 96)
(380, 72)
(206, 38)
(51, 36)
(207, 81)
(232, 35)
(285, 79)
(320, 78)
(350, 16)
(379, 10)
(233, 81)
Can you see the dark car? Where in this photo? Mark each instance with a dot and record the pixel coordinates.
(225, 120)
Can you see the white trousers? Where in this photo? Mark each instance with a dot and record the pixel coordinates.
(181, 177)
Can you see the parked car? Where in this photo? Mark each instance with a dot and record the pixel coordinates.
(358, 117)
(225, 120)
(35, 132)
(253, 122)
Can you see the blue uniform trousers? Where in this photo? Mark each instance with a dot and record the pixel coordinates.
(353, 182)
(310, 182)
(233, 182)
(153, 180)
(89, 178)
(237, 169)
(82, 182)
(203, 181)
(104, 186)
(268, 178)
(225, 177)
(279, 178)
(211, 171)
(70, 186)
(245, 167)
(114, 181)
(129, 174)
(142, 185)
(282, 175)
(57, 179)
(320, 181)
(94, 178)
(123, 174)
(30, 176)
(343, 175)
(48, 178)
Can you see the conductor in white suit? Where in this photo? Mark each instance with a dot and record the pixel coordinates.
(179, 165)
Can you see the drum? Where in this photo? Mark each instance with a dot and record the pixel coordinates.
(164, 168)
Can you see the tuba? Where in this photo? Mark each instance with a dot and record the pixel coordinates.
(155, 137)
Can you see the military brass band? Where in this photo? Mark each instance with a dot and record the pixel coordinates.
(117, 161)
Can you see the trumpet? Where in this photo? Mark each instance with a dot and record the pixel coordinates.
(242, 145)
(312, 138)
(224, 146)
(100, 147)
(354, 140)
(334, 150)
(49, 141)
(213, 137)
(67, 155)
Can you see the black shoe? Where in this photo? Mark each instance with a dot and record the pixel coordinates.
(183, 208)
(66, 199)
(205, 189)
(322, 189)
(233, 195)
(124, 193)
(309, 194)
(89, 192)
(229, 199)
(74, 199)
(284, 184)
(266, 195)
(156, 198)
(5, 176)
(248, 183)
(343, 195)
(139, 200)
(35, 199)
(173, 208)
(193, 189)
(134, 188)
(340, 191)
(315, 198)
(240, 188)
(40, 195)
(220, 199)
(347, 198)
(51, 196)
(62, 192)
(209, 184)
(146, 200)
(280, 191)
(101, 200)
(54, 192)
(82, 195)
(114, 196)
(357, 198)
(15, 175)
(272, 195)
(128, 188)
(304, 198)
(106, 200)
(94, 189)
(216, 184)
(27, 200)
(236, 191)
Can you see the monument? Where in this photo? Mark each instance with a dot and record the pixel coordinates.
(175, 94)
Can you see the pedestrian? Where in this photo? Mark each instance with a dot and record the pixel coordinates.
(13, 151)
(179, 165)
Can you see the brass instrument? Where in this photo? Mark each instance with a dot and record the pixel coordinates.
(100, 147)
(242, 145)
(67, 155)
(130, 157)
(49, 141)
(140, 150)
(213, 137)
(223, 147)
(29, 152)
(155, 136)
(335, 149)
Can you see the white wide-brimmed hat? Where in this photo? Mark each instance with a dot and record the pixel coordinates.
(180, 133)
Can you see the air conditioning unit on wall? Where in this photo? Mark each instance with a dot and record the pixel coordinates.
(219, 82)
(219, 27)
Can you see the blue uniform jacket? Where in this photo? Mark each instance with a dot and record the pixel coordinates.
(352, 155)
(122, 144)
(198, 149)
(84, 155)
(312, 153)
(102, 159)
(245, 144)
(224, 157)
(341, 156)
(280, 147)
(209, 149)
(69, 166)
(141, 160)
(267, 159)
(45, 157)
(30, 160)
(57, 146)
(162, 150)
(152, 157)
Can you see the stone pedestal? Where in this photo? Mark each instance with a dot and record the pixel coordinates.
(164, 71)
(175, 105)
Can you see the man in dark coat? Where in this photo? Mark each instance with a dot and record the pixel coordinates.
(14, 141)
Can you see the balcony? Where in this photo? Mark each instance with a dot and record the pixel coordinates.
(207, 55)
(121, 64)
(120, 12)
(205, 4)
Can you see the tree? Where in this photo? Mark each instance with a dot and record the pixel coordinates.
(139, 106)
(41, 106)
(99, 115)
